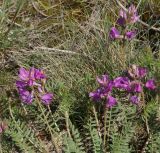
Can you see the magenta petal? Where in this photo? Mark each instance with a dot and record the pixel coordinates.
(123, 17)
(47, 98)
(40, 89)
(104, 90)
(26, 96)
(23, 74)
(114, 33)
(96, 95)
(137, 87)
(122, 83)
(111, 101)
(32, 73)
(103, 80)
(121, 21)
(130, 35)
(20, 84)
(132, 14)
(134, 18)
(39, 74)
(150, 84)
(109, 87)
(141, 72)
(137, 72)
(30, 82)
(132, 9)
(134, 99)
(123, 14)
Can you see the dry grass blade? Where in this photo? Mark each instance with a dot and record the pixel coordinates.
(36, 8)
(55, 50)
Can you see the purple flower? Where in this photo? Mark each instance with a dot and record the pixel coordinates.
(134, 99)
(31, 76)
(121, 21)
(104, 90)
(23, 74)
(47, 98)
(109, 87)
(132, 14)
(137, 72)
(26, 96)
(123, 17)
(128, 17)
(130, 35)
(123, 14)
(111, 101)
(150, 84)
(141, 72)
(39, 74)
(114, 33)
(27, 76)
(122, 83)
(136, 87)
(32, 80)
(20, 84)
(96, 95)
(103, 81)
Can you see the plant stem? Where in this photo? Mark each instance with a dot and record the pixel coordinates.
(53, 119)
(105, 126)
(67, 124)
(109, 123)
(97, 122)
(123, 50)
(49, 128)
(146, 125)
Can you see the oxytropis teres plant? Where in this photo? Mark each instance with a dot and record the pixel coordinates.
(135, 83)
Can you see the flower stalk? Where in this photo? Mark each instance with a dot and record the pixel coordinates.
(48, 126)
(105, 128)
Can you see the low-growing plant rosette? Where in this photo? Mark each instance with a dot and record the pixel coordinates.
(31, 85)
(133, 84)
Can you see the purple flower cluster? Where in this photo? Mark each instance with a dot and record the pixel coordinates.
(125, 18)
(128, 17)
(137, 83)
(133, 84)
(31, 84)
(104, 91)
